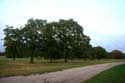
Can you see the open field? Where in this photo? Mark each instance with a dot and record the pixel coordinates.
(23, 67)
(113, 75)
(74, 75)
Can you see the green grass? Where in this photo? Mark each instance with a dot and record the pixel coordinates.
(8, 67)
(113, 75)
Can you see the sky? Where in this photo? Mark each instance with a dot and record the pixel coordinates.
(102, 20)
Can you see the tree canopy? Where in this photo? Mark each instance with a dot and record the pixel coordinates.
(63, 39)
(116, 54)
(51, 40)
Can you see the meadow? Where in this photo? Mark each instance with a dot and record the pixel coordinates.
(21, 66)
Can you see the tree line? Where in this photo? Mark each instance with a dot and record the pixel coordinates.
(63, 39)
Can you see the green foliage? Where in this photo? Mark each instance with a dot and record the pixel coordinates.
(25, 41)
(56, 40)
(100, 52)
(116, 54)
(63, 39)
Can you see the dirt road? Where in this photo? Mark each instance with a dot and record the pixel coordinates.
(75, 75)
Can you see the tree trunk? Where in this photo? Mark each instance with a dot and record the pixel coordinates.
(65, 55)
(31, 57)
(14, 54)
(51, 60)
(66, 60)
(14, 57)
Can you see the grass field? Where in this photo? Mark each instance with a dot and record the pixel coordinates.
(8, 67)
(113, 75)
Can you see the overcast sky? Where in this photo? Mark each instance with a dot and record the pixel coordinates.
(102, 20)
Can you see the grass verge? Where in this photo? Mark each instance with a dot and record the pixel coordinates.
(8, 67)
(113, 75)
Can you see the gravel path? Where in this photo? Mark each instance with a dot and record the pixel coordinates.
(75, 75)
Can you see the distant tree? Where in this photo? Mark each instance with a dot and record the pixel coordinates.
(100, 52)
(2, 53)
(116, 54)
(92, 53)
(11, 41)
(124, 55)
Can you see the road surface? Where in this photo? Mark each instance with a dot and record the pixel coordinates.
(74, 75)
